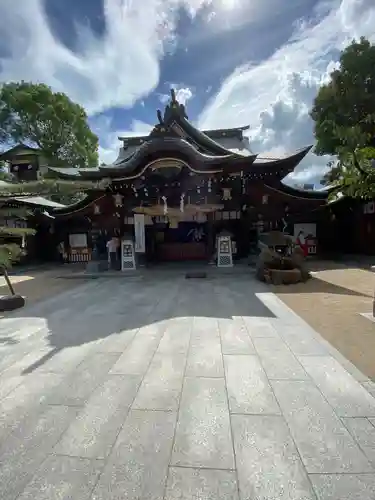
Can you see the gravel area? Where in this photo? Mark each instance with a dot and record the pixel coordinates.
(332, 303)
(39, 284)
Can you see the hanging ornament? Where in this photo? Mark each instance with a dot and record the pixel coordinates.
(265, 199)
(285, 224)
(182, 202)
(118, 200)
(96, 209)
(165, 210)
(209, 185)
(227, 195)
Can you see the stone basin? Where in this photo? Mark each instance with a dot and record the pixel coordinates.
(283, 276)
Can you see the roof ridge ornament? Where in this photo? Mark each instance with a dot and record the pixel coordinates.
(172, 110)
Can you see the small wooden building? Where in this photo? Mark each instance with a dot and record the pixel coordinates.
(30, 212)
(25, 163)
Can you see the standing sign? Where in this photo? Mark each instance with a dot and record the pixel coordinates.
(139, 233)
(305, 238)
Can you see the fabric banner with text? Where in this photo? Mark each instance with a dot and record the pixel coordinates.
(139, 233)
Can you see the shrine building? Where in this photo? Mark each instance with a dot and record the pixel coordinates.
(174, 194)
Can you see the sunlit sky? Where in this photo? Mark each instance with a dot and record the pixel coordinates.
(233, 62)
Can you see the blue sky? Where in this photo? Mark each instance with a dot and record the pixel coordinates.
(234, 62)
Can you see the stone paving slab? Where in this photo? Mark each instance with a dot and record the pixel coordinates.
(203, 435)
(69, 477)
(323, 441)
(363, 432)
(22, 453)
(344, 487)
(93, 433)
(248, 388)
(268, 463)
(209, 484)
(347, 396)
(166, 389)
(140, 458)
(235, 338)
(162, 384)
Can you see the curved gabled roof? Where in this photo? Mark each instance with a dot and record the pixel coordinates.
(159, 148)
(175, 138)
(174, 148)
(299, 193)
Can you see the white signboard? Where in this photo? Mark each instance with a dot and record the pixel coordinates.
(305, 230)
(139, 233)
(78, 240)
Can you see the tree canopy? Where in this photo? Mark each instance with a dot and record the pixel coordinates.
(34, 115)
(344, 115)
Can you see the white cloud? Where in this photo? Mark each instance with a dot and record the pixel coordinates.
(274, 97)
(123, 66)
(116, 70)
(109, 144)
(183, 94)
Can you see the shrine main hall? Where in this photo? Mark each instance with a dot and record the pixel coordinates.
(181, 194)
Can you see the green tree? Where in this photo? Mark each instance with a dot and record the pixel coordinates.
(344, 116)
(33, 114)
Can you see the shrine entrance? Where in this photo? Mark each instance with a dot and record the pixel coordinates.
(182, 241)
(179, 236)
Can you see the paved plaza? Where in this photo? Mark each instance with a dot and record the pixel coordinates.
(162, 388)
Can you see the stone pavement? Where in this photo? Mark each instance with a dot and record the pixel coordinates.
(178, 389)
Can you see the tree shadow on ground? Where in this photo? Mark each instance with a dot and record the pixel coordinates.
(341, 262)
(317, 285)
(106, 308)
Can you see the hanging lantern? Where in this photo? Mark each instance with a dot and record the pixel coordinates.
(227, 194)
(117, 198)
